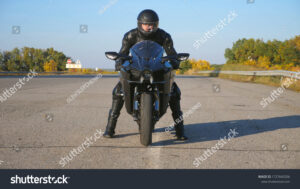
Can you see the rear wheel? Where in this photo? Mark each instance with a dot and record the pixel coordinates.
(146, 123)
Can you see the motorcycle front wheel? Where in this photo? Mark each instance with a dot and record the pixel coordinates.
(146, 124)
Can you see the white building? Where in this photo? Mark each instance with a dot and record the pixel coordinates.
(72, 65)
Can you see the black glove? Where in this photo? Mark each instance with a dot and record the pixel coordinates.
(118, 64)
(175, 64)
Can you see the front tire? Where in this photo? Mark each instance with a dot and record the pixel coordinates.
(146, 119)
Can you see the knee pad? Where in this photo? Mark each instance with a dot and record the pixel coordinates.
(175, 93)
(117, 91)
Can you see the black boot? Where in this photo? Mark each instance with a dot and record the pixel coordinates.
(176, 112)
(111, 125)
(114, 112)
(178, 125)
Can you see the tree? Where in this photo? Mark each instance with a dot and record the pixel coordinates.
(1, 61)
(264, 62)
(184, 66)
(270, 54)
(31, 59)
(229, 55)
(50, 66)
(200, 65)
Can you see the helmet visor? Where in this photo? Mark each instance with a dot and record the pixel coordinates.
(148, 27)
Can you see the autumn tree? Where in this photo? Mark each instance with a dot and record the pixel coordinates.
(30, 58)
(198, 65)
(268, 55)
(50, 66)
(1, 61)
(184, 66)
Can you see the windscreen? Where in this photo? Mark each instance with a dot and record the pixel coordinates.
(147, 55)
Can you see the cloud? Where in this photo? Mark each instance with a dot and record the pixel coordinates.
(105, 7)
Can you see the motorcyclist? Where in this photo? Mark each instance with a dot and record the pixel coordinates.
(147, 29)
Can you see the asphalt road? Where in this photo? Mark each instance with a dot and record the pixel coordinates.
(38, 127)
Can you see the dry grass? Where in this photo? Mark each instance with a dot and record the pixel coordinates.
(267, 80)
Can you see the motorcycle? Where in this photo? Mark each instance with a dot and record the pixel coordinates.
(146, 77)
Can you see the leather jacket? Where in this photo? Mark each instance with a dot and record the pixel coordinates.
(160, 36)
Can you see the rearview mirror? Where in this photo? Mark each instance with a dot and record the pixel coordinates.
(182, 56)
(112, 55)
(115, 56)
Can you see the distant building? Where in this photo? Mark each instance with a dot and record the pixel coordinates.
(73, 65)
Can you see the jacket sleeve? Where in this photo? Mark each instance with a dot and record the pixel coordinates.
(126, 44)
(169, 48)
(168, 45)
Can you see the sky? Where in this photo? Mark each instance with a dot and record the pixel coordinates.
(56, 23)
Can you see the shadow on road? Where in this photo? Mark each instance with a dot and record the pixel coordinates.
(125, 135)
(202, 132)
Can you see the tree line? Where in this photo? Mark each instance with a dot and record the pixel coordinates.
(253, 52)
(27, 58)
(268, 55)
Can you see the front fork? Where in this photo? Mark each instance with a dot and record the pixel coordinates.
(136, 103)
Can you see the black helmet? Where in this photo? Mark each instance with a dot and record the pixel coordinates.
(147, 17)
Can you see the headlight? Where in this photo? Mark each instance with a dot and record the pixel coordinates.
(146, 76)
